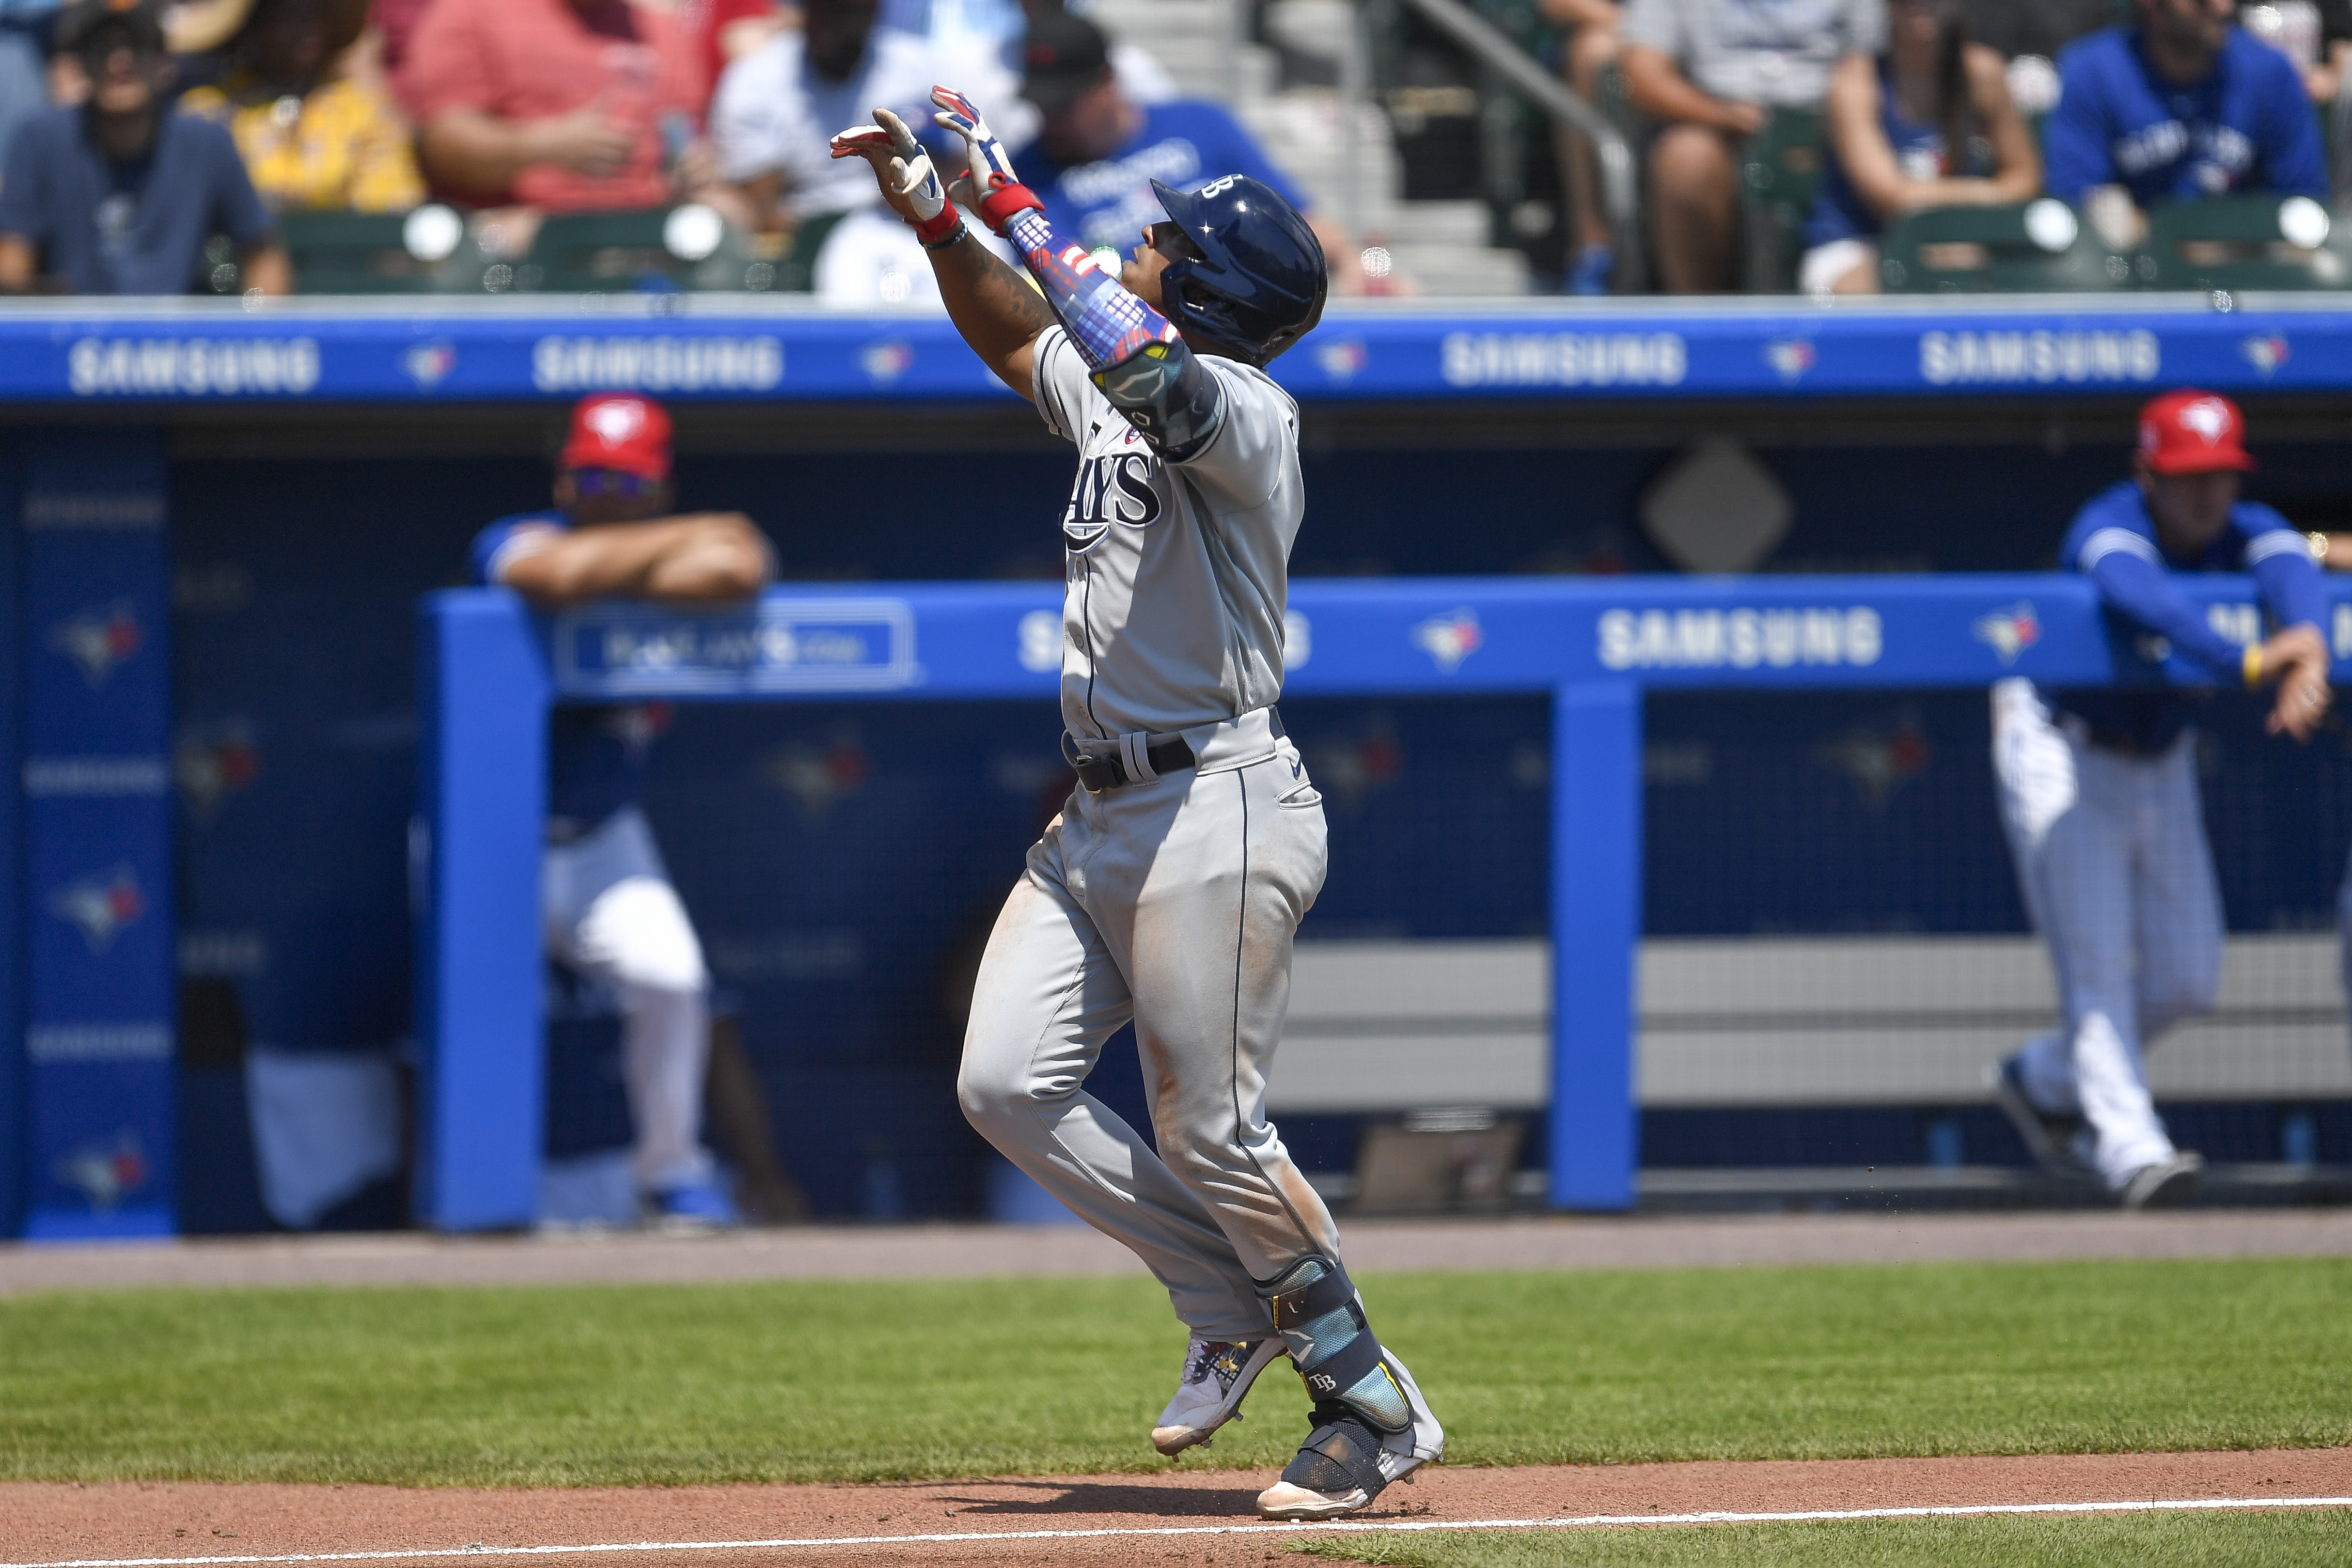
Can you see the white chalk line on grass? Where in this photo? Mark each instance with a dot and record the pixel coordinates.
(1580, 1521)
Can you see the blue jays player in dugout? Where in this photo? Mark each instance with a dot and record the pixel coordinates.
(1169, 889)
(606, 902)
(2099, 793)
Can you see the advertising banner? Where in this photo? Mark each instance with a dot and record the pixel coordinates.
(98, 1016)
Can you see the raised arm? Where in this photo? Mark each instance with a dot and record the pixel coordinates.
(1134, 354)
(700, 558)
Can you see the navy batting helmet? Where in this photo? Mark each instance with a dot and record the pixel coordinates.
(1258, 284)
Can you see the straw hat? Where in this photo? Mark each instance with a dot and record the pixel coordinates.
(200, 27)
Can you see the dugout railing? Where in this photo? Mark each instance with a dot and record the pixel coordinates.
(491, 671)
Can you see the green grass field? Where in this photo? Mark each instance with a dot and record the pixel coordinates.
(836, 1381)
(2306, 1538)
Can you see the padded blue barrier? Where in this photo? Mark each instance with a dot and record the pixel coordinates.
(490, 669)
(737, 348)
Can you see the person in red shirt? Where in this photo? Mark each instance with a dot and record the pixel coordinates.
(725, 31)
(561, 105)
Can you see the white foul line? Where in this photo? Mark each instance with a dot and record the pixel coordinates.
(1582, 1522)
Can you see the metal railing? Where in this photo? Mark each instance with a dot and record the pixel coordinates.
(1620, 191)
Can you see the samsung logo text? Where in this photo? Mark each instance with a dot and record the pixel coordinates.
(1738, 639)
(657, 364)
(1997, 359)
(1564, 358)
(192, 367)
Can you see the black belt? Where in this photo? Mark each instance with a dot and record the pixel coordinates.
(1168, 754)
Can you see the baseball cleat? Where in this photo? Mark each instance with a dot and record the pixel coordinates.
(1217, 1373)
(2167, 1184)
(2049, 1136)
(1347, 1461)
(694, 1208)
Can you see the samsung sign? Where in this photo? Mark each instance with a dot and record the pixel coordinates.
(1564, 358)
(2038, 359)
(192, 367)
(1738, 639)
(657, 364)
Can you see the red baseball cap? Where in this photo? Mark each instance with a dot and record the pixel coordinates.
(618, 430)
(2194, 432)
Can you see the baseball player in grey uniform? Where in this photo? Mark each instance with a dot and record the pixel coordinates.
(1170, 888)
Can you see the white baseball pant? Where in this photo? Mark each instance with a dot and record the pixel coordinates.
(1171, 902)
(611, 915)
(2112, 858)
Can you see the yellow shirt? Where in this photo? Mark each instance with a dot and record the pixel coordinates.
(343, 148)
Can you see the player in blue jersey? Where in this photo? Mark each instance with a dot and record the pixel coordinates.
(2182, 106)
(2099, 793)
(608, 907)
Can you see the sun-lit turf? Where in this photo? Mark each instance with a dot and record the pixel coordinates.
(2304, 1538)
(808, 1380)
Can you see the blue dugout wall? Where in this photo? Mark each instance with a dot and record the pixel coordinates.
(313, 492)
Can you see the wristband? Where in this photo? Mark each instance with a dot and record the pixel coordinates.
(947, 240)
(2252, 665)
(1003, 204)
(2318, 542)
(940, 228)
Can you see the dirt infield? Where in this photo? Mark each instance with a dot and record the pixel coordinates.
(1181, 1516)
(1373, 1246)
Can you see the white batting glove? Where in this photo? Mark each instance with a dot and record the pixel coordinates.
(909, 184)
(988, 186)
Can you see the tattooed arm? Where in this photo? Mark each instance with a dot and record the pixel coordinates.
(997, 311)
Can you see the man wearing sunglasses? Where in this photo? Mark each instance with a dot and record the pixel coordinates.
(610, 914)
(1169, 889)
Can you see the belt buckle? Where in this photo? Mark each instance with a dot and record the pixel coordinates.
(1082, 764)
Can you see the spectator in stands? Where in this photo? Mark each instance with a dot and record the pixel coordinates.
(120, 194)
(607, 906)
(25, 31)
(778, 107)
(1097, 152)
(724, 31)
(1588, 47)
(1927, 125)
(1713, 71)
(311, 137)
(2181, 106)
(560, 105)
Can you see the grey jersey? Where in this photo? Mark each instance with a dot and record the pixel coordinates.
(1178, 573)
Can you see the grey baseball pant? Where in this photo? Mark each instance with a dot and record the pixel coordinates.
(1171, 902)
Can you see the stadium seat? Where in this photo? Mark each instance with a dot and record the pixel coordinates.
(1971, 250)
(1779, 169)
(655, 250)
(376, 253)
(2243, 242)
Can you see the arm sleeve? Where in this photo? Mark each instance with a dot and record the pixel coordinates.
(2293, 159)
(2131, 578)
(20, 189)
(1654, 24)
(2074, 139)
(1157, 384)
(2280, 559)
(506, 542)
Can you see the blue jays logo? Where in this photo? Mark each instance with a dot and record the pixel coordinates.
(1342, 360)
(1791, 357)
(1450, 639)
(428, 364)
(1115, 487)
(100, 904)
(2008, 632)
(2265, 354)
(212, 762)
(98, 640)
(884, 362)
(106, 1172)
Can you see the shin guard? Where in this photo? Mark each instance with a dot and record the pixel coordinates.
(1322, 1324)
